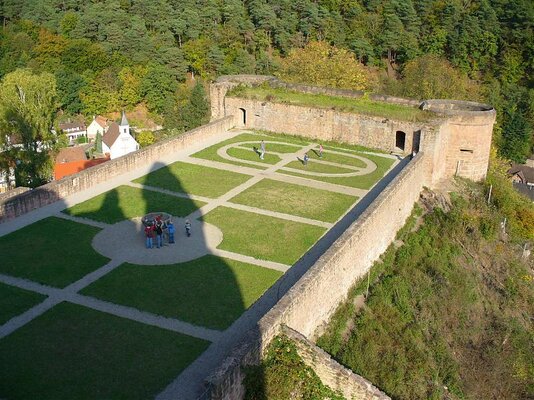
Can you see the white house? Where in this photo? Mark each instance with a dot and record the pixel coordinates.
(73, 130)
(117, 141)
(99, 124)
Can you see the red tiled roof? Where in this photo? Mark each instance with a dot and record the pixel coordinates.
(103, 122)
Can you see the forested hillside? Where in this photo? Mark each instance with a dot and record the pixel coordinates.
(102, 56)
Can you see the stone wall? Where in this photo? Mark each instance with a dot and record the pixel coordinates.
(13, 206)
(331, 373)
(322, 124)
(313, 299)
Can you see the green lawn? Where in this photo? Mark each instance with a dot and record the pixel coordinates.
(52, 251)
(340, 159)
(276, 147)
(361, 105)
(314, 166)
(251, 155)
(125, 202)
(193, 179)
(15, 301)
(263, 237)
(72, 352)
(210, 291)
(210, 153)
(298, 200)
(360, 181)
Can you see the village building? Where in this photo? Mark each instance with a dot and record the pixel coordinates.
(98, 124)
(71, 160)
(117, 141)
(73, 130)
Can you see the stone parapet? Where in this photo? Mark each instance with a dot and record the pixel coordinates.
(311, 302)
(13, 206)
(331, 373)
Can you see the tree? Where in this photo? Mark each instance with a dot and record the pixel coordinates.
(324, 65)
(27, 108)
(157, 86)
(195, 112)
(432, 77)
(516, 136)
(145, 138)
(98, 143)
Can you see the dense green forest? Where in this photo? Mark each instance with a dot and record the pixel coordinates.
(101, 56)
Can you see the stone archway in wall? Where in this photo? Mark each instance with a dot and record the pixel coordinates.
(400, 140)
(416, 141)
(242, 117)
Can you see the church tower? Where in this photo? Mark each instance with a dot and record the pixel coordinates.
(124, 125)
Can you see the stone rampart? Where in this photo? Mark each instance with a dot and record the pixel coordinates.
(325, 124)
(331, 373)
(13, 206)
(314, 298)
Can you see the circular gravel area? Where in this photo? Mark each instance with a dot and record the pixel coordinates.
(126, 241)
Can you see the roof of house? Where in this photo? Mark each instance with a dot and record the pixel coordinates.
(525, 172)
(103, 122)
(69, 154)
(72, 125)
(111, 135)
(524, 189)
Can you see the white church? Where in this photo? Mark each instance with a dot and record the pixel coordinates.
(117, 140)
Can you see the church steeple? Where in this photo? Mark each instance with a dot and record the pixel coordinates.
(124, 125)
(124, 121)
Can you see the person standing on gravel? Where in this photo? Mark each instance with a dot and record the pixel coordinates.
(170, 227)
(148, 233)
(159, 232)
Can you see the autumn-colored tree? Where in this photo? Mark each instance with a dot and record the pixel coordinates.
(131, 78)
(432, 77)
(321, 64)
(145, 138)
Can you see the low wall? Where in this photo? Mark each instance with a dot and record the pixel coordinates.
(331, 373)
(323, 124)
(314, 298)
(13, 206)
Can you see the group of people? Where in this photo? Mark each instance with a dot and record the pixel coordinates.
(304, 159)
(155, 230)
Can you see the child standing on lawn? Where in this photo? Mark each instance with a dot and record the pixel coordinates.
(187, 228)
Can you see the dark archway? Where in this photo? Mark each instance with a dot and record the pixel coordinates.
(400, 140)
(416, 141)
(243, 119)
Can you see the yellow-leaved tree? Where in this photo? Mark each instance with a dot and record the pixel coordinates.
(324, 65)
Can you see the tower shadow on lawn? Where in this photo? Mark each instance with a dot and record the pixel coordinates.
(208, 291)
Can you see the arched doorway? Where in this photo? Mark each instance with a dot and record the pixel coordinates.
(400, 140)
(243, 117)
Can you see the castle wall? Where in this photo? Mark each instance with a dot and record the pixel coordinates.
(13, 206)
(314, 298)
(322, 124)
(331, 373)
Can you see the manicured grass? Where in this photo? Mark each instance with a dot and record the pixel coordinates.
(193, 179)
(52, 251)
(340, 159)
(314, 166)
(298, 200)
(276, 147)
(72, 352)
(210, 291)
(362, 105)
(361, 181)
(263, 237)
(125, 202)
(210, 153)
(251, 155)
(15, 301)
